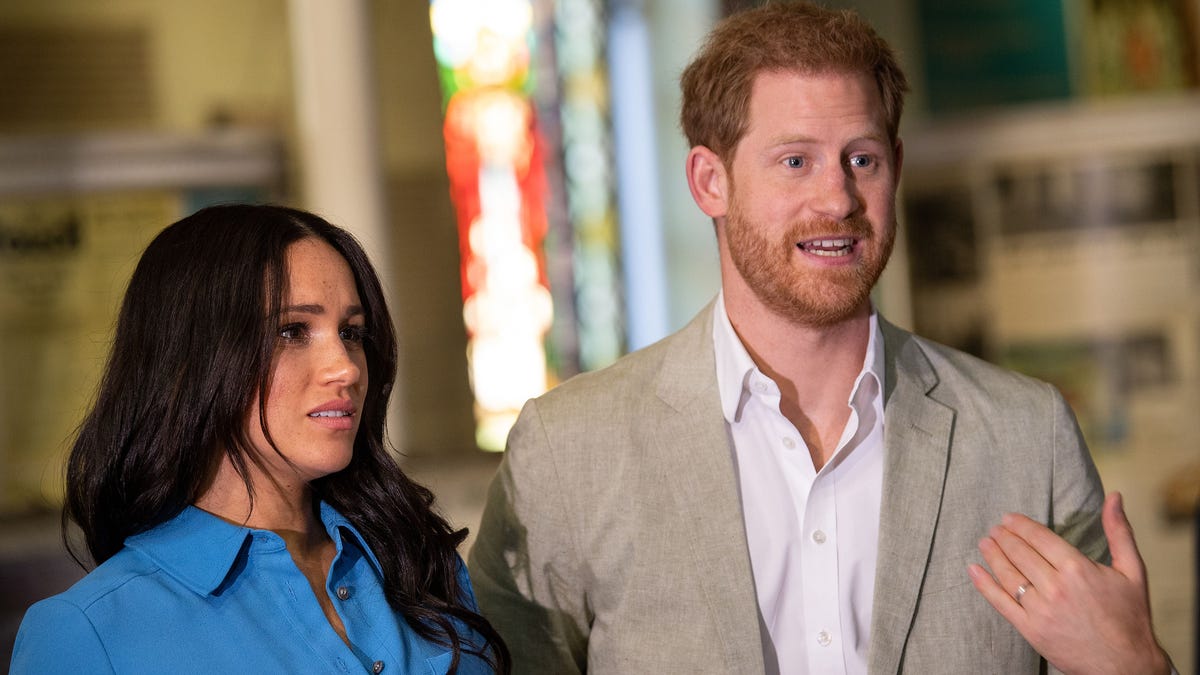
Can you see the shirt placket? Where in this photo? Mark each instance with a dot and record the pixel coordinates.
(819, 565)
(353, 592)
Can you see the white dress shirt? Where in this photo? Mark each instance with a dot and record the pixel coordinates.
(812, 535)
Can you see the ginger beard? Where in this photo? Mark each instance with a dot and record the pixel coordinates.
(808, 294)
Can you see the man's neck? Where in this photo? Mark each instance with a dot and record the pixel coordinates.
(815, 368)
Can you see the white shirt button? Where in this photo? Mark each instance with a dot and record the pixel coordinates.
(343, 593)
(818, 536)
(788, 442)
(823, 639)
(760, 387)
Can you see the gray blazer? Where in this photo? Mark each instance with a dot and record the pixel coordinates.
(613, 538)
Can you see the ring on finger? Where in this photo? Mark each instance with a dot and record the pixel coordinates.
(1021, 591)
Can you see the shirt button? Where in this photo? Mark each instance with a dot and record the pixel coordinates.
(788, 442)
(343, 593)
(377, 667)
(823, 639)
(818, 536)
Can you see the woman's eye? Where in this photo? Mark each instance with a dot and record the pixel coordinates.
(794, 162)
(353, 333)
(293, 332)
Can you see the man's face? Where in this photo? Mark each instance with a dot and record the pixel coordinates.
(810, 210)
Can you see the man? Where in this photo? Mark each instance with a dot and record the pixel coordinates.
(791, 484)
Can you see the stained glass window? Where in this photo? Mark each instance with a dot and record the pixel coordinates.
(519, 122)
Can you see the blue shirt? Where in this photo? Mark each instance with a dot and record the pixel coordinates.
(198, 594)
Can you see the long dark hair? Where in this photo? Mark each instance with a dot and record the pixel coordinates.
(193, 348)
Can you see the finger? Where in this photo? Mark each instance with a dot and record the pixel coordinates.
(996, 596)
(1005, 574)
(1053, 548)
(1027, 561)
(1125, 556)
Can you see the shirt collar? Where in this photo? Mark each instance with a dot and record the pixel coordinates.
(199, 549)
(337, 525)
(735, 367)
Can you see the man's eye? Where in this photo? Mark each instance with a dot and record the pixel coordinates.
(794, 162)
(861, 161)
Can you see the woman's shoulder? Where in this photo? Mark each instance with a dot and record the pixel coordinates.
(62, 631)
(112, 577)
(57, 634)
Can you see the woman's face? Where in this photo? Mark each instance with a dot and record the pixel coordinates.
(319, 372)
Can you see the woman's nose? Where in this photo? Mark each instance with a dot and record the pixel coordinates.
(338, 364)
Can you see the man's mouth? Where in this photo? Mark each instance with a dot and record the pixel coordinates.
(830, 248)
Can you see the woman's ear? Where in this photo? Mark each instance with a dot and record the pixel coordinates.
(708, 181)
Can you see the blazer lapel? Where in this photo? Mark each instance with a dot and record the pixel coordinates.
(690, 438)
(916, 443)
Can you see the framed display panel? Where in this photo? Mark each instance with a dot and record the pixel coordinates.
(1137, 46)
(75, 215)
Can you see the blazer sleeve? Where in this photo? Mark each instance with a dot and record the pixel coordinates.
(57, 637)
(1078, 493)
(524, 562)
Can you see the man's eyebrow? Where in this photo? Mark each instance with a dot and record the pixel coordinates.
(875, 137)
(789, 139)
(801, 139)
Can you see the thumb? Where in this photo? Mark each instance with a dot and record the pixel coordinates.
(1118, 531)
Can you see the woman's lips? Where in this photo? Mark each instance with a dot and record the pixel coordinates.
(338, 415)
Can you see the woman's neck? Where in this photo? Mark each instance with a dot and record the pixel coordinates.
(286, 510)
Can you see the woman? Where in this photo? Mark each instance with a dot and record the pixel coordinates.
(232, 480)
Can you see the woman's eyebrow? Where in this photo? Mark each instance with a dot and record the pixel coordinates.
(316, 309)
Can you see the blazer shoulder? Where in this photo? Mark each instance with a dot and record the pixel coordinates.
(968, 384)
(953, 368)
(636, 377)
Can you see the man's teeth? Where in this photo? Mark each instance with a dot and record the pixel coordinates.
(828, 247)
(330, 413)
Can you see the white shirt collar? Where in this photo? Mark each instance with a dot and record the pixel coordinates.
(735, 367)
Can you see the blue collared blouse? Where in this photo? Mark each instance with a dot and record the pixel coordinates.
(197, 594)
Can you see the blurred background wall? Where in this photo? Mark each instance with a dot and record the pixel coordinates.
(1051, 209)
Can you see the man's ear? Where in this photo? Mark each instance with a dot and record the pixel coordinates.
(708, 181)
